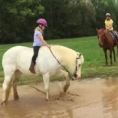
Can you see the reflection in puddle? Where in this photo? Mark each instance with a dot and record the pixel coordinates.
(110, 98)
(97, 98)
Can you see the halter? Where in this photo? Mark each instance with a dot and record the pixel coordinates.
(70, 75)
(78, 57)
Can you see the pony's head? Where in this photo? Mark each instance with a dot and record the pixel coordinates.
(78, 66)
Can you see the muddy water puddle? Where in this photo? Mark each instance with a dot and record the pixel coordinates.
(92, 98)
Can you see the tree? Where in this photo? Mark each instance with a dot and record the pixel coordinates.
(66, 18)
(17, 18)
(104, 6)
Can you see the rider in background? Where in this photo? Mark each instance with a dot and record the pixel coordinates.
(109, 26)
(38, 41)
(108, 22)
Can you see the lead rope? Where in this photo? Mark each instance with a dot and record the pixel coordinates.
(61, 64)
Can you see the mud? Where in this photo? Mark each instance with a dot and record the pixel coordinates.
(92, 98)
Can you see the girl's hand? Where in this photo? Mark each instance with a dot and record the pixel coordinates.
(47, 45)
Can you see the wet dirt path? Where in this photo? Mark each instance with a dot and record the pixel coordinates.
(92, 98)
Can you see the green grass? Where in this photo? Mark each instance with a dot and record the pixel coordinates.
(94, 65)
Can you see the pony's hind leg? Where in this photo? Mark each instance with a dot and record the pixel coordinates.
(8, 77)
(6, 89)
(16, 78)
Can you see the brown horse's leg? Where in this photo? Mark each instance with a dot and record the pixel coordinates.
(117, 49)
(111, 56)
(105, 53)
(114, 55)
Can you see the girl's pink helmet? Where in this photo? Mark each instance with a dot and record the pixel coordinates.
(42, 21)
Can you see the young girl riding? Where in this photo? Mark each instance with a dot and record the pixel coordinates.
(109, 26)
(38, 41)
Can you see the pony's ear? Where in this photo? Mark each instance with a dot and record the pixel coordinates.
(78, 55)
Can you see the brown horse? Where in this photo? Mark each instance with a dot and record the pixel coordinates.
(107, 42)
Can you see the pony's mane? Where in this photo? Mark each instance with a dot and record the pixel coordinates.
(63, 48)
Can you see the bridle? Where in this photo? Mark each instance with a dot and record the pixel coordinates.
(76, 67)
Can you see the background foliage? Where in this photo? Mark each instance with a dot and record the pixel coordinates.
(66, 18)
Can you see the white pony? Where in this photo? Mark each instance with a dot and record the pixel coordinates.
(50, 61)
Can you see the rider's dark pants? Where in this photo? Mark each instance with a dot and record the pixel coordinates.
(36, 50)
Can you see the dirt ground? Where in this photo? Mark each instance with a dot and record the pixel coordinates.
(91, 98)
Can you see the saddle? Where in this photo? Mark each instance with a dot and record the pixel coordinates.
(114, 35)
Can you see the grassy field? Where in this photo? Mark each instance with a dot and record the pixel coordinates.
(94, 65)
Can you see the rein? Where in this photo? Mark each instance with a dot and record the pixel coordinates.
(70, 75)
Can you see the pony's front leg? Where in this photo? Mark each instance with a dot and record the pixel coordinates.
(46, 84)
(66, 86)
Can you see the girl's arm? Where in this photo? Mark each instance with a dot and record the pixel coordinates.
(42, 39)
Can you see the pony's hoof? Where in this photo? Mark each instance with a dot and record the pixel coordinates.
(62, 94)
(47, 99)
(3, 103)
(16, 98)
(65, 88)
